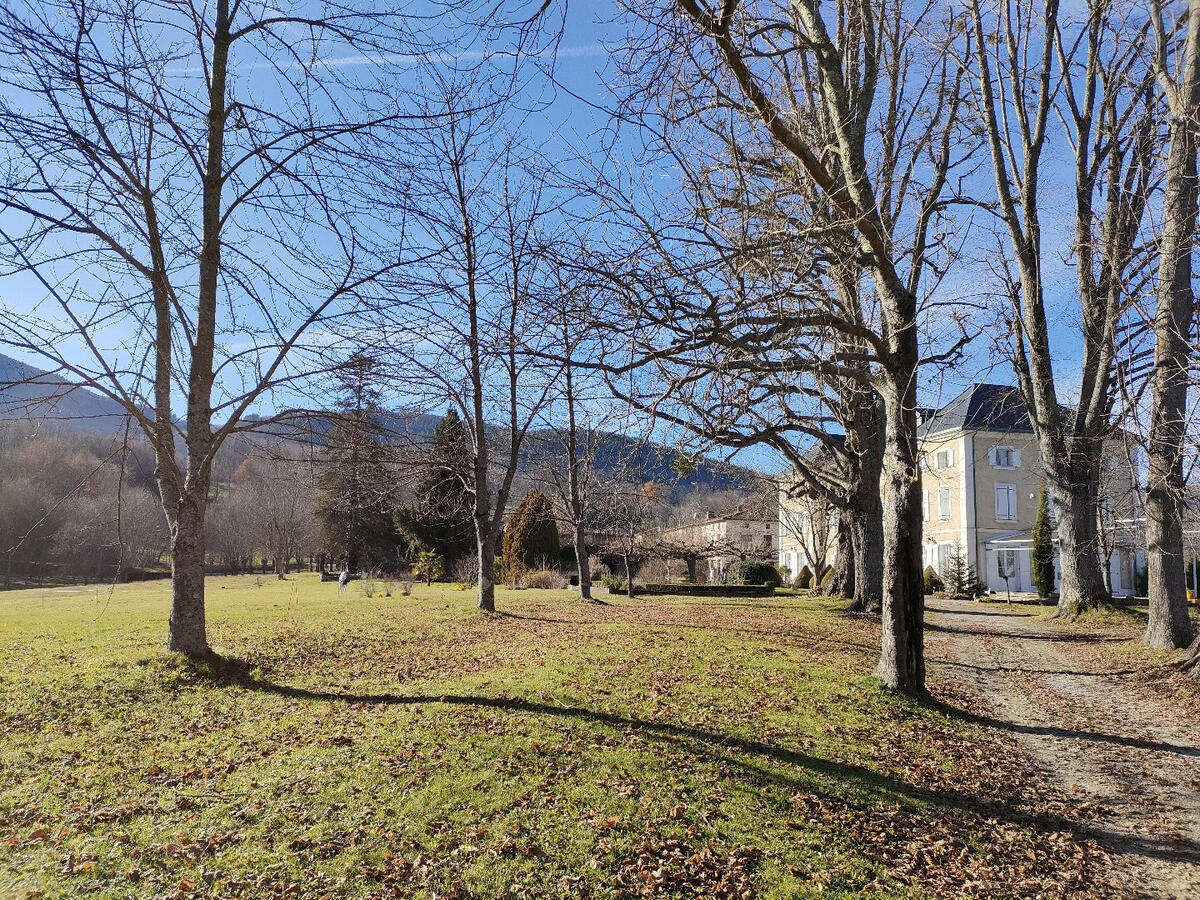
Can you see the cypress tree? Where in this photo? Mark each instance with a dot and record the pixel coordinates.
(1042, 555)
(530, 537)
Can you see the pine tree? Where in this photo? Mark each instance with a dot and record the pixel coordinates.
(440, 518)
(353, 505)
(959, 575)
(1043, 548)
(530, 537)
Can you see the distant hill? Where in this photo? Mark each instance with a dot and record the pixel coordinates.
(29, 393)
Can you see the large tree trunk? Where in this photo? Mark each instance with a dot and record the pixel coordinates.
(902, 658)
(841, 584)
(581, 564)
(186, 632)
(1169, 626)
(868, 514)
(1081, 580)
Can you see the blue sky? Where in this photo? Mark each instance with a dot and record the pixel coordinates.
(570, 124)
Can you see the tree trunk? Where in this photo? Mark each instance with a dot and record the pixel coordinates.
(628, 577)
(1170, 626)
(487, 573)
(842, 582)
(868, 516)
(1081, 581)
(581, 564)
(186, 632)
(902, 657)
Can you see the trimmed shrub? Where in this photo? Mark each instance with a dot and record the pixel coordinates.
(752, 571)
(804, 578)
(933, 583)
(546, 579)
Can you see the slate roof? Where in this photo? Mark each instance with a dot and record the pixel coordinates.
(982, 407)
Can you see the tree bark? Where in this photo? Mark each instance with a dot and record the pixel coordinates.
(902, 660)
(868, 515)
(487, 573)
(844, 574)
(187, 633)
(1169, 626)
(1081, 581)
(581, 564)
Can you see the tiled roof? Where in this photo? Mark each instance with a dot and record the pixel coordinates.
(982, 407)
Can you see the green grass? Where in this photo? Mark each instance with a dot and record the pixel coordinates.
(412, 746)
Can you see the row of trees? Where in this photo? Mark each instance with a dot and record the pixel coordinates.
(855, 195)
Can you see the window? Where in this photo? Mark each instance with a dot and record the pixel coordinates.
(746, 540)
(1006, 563)
(1006, 502)
(944, 503)
(925, 505)
(1005, 458)
(943, 459)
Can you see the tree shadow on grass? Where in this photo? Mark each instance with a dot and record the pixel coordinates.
(719, 747)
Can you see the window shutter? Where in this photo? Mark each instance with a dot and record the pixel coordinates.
(992, 457)
(925, 504)
(1012, 502)
(944, 503)
(1016, 459)
(950, 459)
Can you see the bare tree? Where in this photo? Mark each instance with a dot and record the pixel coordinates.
(1177, 68)
(180, 179)
(460, 324)
(568, 469)
(863, 101)
(1030, 67)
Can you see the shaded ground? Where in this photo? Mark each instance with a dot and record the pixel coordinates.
(1098, 723)
(370, 746)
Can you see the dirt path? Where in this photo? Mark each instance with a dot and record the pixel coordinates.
(1131, 759)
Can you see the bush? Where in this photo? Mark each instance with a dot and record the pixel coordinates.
(429, 565)
(933, 584)
(614, 583)
(827, 580)
(804, 578)
(546, 579)
(752, 571)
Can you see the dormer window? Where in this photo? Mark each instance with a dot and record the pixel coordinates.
(1004, 458)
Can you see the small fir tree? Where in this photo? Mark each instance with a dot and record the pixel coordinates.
(959, 575)
(1043, 548)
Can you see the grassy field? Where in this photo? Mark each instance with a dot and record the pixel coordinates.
(411, 746)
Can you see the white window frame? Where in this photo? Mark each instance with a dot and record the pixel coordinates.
(1004, 571)
(945, 507)
(1014, 456)
(925, 504)
(1009, 505)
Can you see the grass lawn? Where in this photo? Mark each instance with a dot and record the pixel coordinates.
(412, 746)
